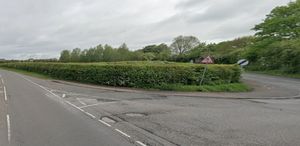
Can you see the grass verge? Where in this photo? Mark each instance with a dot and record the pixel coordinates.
(234, 87)
(27, 73)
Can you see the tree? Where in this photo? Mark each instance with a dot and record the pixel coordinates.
(75, 55)
(149, 56)
(123, 53)
(98, 54)
(197, 51)
(183, 44)
(161, 51)
(109, 54)
(65, 56)
(282, 23)
(83, 57)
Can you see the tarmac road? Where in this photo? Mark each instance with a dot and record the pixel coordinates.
(31, 116)
(51, 112)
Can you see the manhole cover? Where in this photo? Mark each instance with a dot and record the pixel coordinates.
(135, 114)
(108, 120)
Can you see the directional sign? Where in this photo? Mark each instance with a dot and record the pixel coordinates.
(207, 60)
(243, 62)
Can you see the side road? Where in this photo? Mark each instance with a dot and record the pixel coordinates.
(264, 86)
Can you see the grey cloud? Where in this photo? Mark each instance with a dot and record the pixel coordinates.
(31, 28)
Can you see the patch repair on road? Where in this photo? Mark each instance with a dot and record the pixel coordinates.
(135, 114)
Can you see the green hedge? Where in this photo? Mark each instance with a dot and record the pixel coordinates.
(134, 74)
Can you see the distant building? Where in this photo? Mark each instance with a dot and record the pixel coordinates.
(206, 60)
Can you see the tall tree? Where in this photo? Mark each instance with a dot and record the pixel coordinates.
(98, 54)
(75, 55)
(65, 56)
(123, 53)
(183, 44)
(282, 23)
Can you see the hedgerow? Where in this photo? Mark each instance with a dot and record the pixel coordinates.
(134, 74)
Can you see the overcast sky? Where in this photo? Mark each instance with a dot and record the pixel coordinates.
(42, 28)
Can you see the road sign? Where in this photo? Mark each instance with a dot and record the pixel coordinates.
(243, 62)
(207, 60)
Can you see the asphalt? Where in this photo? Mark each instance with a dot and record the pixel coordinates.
(39, 118)
(51, 112)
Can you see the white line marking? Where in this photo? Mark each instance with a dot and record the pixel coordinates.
(2, 81)
(81, 101)
(8, 128)
(89, 114)
(90, 105)
(64, 95)
(123, 133)
(68, 102)
(92, 116)
(140, 143)
(79, 108)
(104, 123)
(5, 96)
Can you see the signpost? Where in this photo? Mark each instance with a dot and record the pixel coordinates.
(243, 62)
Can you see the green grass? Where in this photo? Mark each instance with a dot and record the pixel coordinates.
(27, 73)
(277, 73)
(233, 87)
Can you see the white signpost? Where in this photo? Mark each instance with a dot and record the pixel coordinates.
(243, 62)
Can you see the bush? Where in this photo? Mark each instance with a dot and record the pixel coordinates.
(280, 55)
(134, 74)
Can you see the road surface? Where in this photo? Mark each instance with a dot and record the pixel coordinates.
(33, 116)
(51, 112)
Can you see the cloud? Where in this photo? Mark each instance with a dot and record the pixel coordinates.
(41, 29)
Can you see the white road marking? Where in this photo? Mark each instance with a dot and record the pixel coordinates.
(91, 105)
(104, 123)
(123, 133)
(64, 95)
(79, 108)
(89, 114)
(2, 81)
(81, 101)
(68, 102)
(140, 143)
(5, 96)
(8, 128)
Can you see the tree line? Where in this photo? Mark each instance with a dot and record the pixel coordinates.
(181, 46)
(275, 46)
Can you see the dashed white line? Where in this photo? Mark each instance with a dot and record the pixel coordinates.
(90, 105)
(2, 81)
(68, 102)
(79, 108)
(123, 133)
(8, 128)
(140, 143)
(104, 123)
(5, 96)
(64, 95)
(89, 114)
(83, 103)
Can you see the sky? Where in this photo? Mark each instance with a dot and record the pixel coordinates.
(42, 28)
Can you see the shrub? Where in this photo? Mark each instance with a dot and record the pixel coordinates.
(134, 74)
